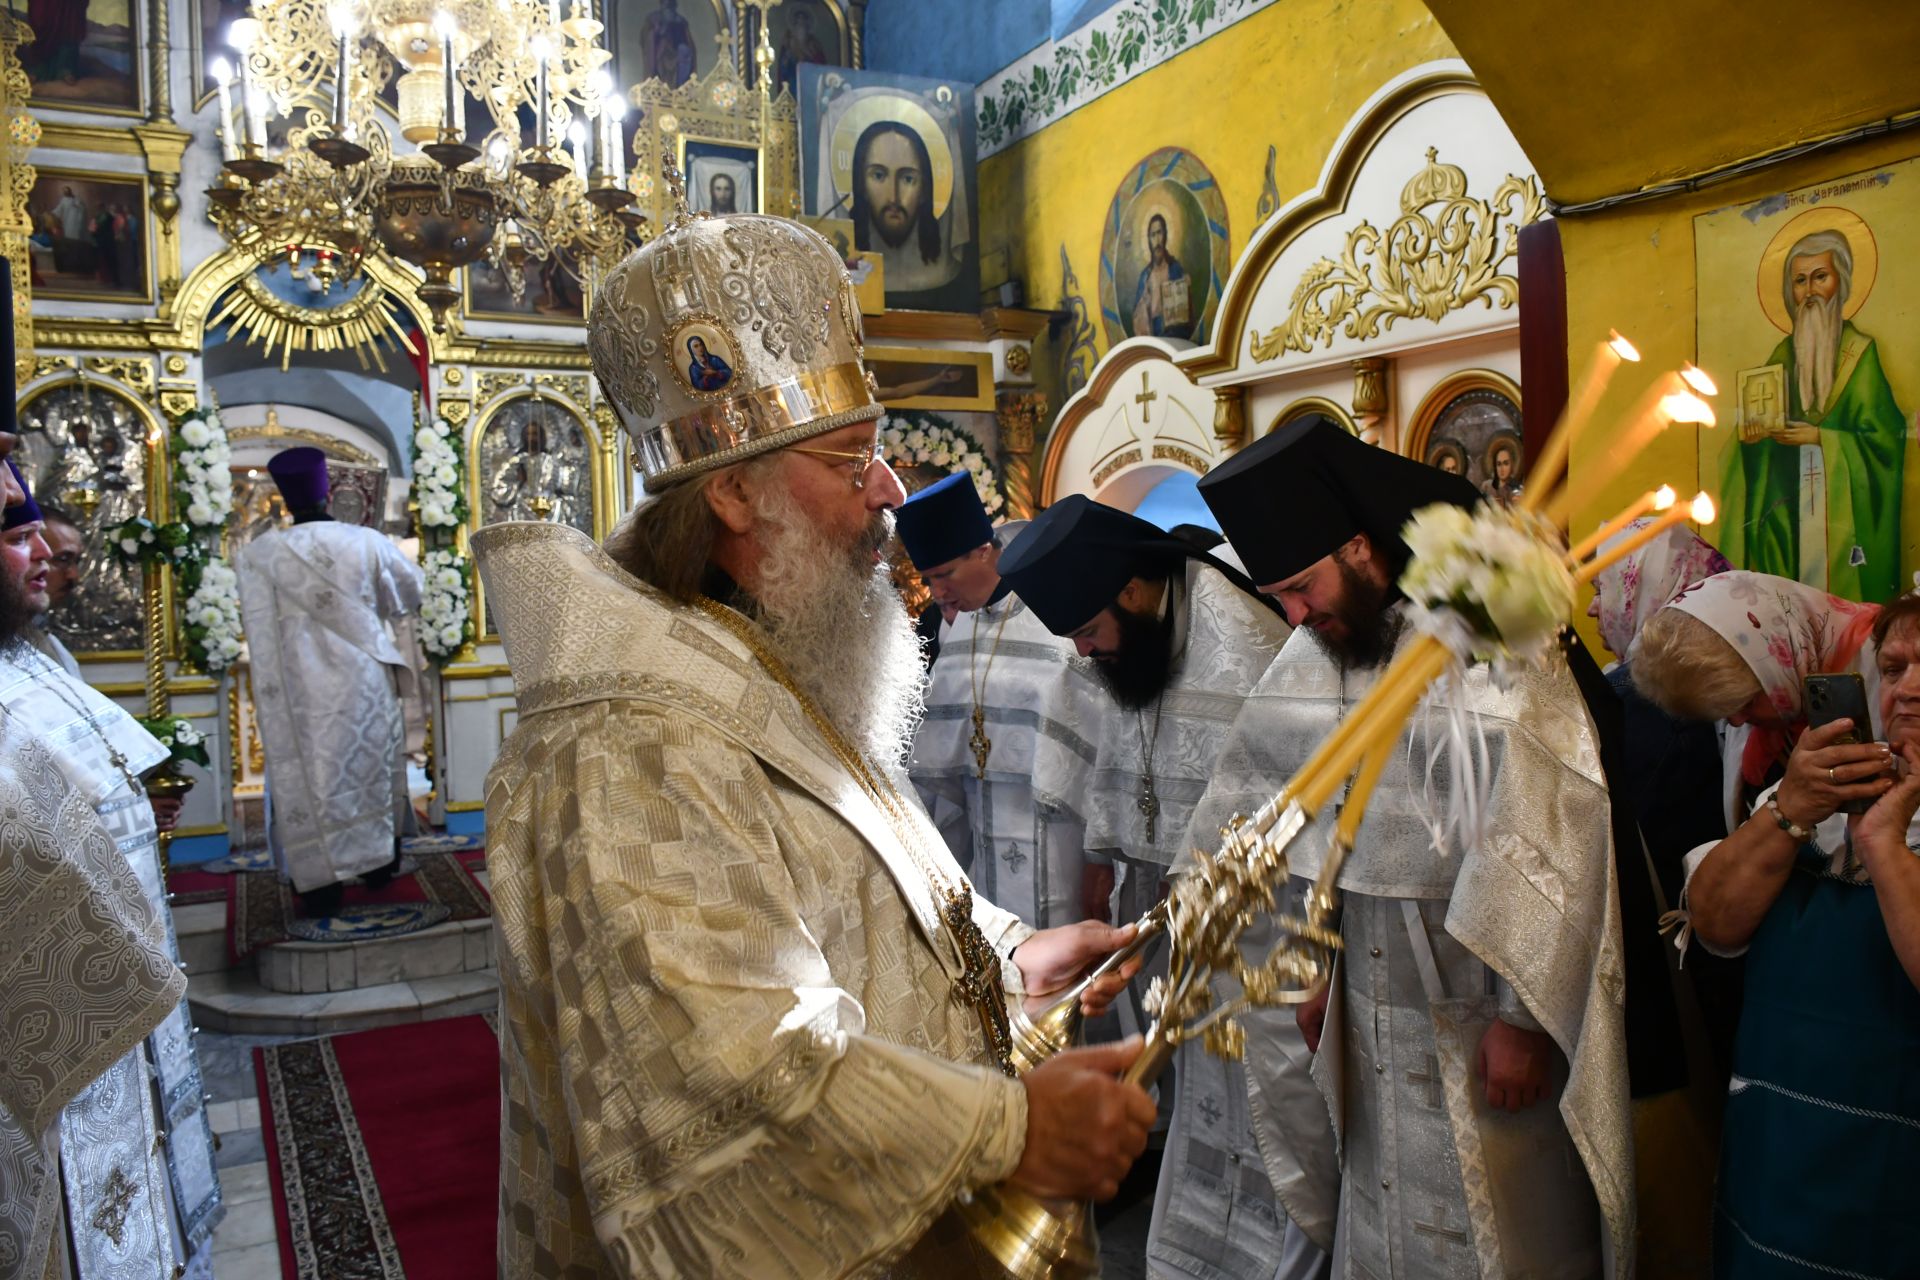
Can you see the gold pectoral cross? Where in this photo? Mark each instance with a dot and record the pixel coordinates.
(1149, 805)
(980, 983)
(980, 743)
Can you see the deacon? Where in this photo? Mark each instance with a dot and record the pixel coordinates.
(1473, 1060)
(318, 602)
(87, 969)
(1178, 638)
(1004, 757)
(753, 1018)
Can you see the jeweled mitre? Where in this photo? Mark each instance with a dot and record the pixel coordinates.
(727, 337)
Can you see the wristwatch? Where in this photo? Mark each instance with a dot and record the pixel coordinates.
(1802, 834)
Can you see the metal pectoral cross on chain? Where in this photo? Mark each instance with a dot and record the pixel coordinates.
(1149, 805)
(980, 744)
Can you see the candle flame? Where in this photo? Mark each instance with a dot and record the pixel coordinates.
(577, 134)
(1621, 347)
(340, 15)
(444, 25)
(1685, 406)
(1703, 511)
(617, 107)
(1664, 497)
(222, 71)
(243, 32)
(542, 48)
(601, 84)
(1696, 377)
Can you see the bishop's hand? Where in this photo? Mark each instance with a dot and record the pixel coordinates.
(1085, 1126)
(1054, 959)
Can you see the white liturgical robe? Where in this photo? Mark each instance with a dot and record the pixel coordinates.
(317, 601)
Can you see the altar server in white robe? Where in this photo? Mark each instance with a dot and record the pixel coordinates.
(1471, 1053)
(1178, 636)
(103, 752)
(318, 602)
(1004, 758)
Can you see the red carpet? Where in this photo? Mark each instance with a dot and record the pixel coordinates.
(384, 1148)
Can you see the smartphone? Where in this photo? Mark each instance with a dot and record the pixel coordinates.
(1836, 696)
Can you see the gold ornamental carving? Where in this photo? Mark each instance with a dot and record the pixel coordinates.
(17, 177)
(176, 365)
(1020, 418)
(490, 384)
(135, 372)
(44, 365)
(454, 377)
(1019, 359)
(571, 385)
(456, 412)
(1443, 253)
(177, 404)
(1229, 420)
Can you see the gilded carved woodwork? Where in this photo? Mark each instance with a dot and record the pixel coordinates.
(1021, 418)
(1445, 252)
(491, 383)
(134, 372)
(1229, 419)
(22, 131)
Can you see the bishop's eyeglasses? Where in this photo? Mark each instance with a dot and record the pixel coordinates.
(861, 460)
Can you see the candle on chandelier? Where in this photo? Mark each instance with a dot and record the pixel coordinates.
(253, 104)
(616, 113)
(597, 144)
(577, 140)
(223, 77)
(342, 18)
(454, 109)
(542, 50)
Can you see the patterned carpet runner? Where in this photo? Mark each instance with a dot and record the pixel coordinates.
(384, 1148)
(436, 884)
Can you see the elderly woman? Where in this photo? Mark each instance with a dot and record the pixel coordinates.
(1822, 1136)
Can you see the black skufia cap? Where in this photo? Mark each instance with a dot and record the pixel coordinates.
(1077, 556)
(1303, 492)
(943, 522)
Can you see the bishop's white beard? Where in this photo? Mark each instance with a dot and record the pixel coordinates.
(834, 619)
(1816, 349)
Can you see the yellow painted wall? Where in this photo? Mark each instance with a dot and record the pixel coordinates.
(1291, 77)
(1633, 269)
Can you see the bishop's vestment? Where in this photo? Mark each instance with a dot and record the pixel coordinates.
(1398, 1142)
(318, 600)
(1017, 822)
(731, 1036)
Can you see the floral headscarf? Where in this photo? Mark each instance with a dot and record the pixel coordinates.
(1786, 632)
(1631, 590)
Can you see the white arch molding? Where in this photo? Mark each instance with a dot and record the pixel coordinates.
(1138, 420)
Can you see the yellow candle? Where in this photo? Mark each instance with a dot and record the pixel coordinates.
(1545, 471)
(1668, 400)
(1653, 500)
(1700, 510)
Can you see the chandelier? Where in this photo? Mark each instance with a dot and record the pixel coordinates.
(427, 183)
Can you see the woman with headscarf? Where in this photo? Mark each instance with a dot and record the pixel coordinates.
(1822, 1138)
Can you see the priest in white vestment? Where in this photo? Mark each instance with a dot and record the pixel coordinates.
(1471, 1110)
(1004, 757)
(103, 753)
(753, 1017)
(318, 602)
(1178, 636)
(86, 972)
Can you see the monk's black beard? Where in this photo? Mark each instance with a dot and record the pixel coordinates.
(1142, 668)
(1372, 629)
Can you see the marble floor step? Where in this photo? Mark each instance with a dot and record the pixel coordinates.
(235, 1003)
(202, 931)
(297, 967)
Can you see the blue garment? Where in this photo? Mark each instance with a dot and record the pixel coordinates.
(1821, 1153)
(711, 376)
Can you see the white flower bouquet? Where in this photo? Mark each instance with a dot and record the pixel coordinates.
(202, 472)
(1492, 583)
(909, 440)
(446, 607)
(438, 464)
(184, 743)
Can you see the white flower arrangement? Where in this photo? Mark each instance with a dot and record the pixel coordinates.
(914, 439)
(211, 614)
(1492, 583)
(446, 609)
(202, 471)
(437, 467)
